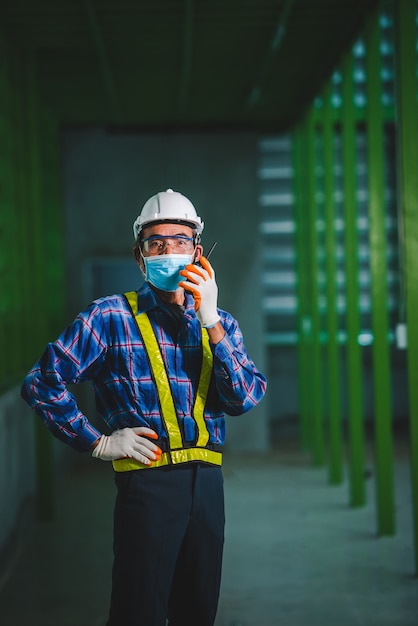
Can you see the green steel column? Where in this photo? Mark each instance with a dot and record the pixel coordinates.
(354, 357)
(335, 469)
(26, 345)
(12, 245)
(316, 399)
(385, 504)
(299, 190)
(40, 294)
(6, 216)
(407, 120)
(54, 234)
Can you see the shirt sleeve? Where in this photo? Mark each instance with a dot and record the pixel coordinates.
(74, 357)
(240, 385)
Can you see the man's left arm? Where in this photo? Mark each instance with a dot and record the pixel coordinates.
(240, 385)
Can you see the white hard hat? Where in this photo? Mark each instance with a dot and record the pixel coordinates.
(168, 206)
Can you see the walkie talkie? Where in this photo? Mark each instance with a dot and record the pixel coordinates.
(211, 249)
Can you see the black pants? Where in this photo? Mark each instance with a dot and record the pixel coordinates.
(168, 543)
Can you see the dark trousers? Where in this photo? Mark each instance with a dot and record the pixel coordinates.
(168, 543)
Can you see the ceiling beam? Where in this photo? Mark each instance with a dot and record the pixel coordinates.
(186, 60)
(275, 44)
(105, 67)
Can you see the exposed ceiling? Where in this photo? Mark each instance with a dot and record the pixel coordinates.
(248, 64)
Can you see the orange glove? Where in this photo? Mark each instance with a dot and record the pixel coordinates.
(202, 285)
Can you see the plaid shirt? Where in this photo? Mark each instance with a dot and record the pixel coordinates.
(103, 345)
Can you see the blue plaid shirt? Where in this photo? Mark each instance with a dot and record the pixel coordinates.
(103, 345)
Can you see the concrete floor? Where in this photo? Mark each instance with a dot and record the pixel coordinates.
(295, 552)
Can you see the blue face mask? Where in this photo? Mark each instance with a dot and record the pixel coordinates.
(162, 270)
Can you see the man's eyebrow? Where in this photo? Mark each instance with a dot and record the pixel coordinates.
(178, 234)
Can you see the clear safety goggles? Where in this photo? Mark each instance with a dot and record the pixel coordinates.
(156, 244)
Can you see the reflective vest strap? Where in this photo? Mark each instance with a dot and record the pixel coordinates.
(159, 373)
(161, 381)
(202, 390)
(132, 298)
(176, 457)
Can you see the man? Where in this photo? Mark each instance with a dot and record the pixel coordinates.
(166, 365)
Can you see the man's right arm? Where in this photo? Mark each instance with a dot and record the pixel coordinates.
(74, 357)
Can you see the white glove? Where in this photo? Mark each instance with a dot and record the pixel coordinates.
(128, 443)
(201, 283)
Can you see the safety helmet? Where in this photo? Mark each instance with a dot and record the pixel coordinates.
(168, 206)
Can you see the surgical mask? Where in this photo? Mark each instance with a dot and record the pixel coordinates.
(162, 270)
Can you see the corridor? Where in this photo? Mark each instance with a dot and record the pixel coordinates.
(295, 553)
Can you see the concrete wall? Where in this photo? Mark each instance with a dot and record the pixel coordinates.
(107, 179)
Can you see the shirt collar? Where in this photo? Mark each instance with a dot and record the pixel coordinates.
(148, 299)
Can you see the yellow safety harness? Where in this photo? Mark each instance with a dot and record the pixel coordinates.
(176, 453)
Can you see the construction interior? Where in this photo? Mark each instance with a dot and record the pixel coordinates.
(292, 125)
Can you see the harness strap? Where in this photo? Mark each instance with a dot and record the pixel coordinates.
(202, 390)
(174, 457)
(161, 381)
(177, 453)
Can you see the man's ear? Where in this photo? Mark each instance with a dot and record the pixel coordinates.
(138, 257)
(198, 252)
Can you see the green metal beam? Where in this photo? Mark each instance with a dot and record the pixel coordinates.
(302, 264)
(37, 226)
(28, 343)
(407, 121)
(8, 247)
(105, 67)
(316, 398)
(54, 214)
(335, 467)
(385, 497)
(354, 357)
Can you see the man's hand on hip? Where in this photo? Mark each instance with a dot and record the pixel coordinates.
(132, 443)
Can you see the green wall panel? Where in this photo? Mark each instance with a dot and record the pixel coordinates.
(332, 348)
(407, 119)
(31, 238)
(385, 505)
(353, 350)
